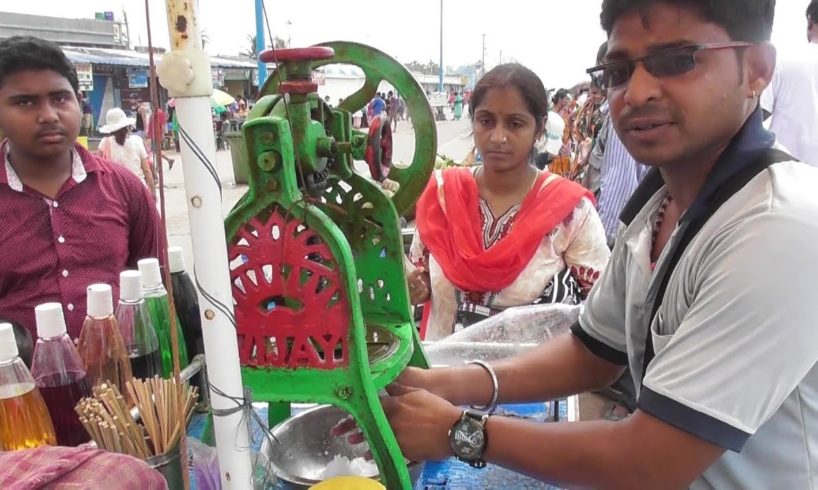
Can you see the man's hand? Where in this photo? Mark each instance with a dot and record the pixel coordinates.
(419, 286)
(432, 381)
(583, 156)
(417, 378)
(151, 183)
(420, 421)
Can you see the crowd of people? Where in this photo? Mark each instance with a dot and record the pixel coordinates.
(394, 108)
(660, 202)
(389, 105)
(127, 138)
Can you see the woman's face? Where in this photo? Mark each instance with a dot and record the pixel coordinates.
(504, 129)
(565, 102)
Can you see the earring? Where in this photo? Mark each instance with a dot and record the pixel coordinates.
(754, 94)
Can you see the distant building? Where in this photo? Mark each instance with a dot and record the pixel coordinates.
(110, 73)
(120, 77)
(114, 75)
(75, 32)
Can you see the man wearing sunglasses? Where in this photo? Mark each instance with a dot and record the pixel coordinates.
(722, 338)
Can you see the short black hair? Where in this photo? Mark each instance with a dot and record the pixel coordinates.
(561, 94)
(812, 11)
(21, 53)
(744, 20)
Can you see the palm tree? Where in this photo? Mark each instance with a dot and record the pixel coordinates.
(280, 43)
(252, 51)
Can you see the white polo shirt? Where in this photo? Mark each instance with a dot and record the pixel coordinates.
(736, 335)
(554, 132)
(792, 98)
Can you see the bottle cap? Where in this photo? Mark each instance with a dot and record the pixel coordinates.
(50, 320)
(151, 275)
(176, 258)
(8, 344)
(100, 302)
(130, 286)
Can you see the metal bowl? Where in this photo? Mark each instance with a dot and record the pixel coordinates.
(380, 343)
(305, 447)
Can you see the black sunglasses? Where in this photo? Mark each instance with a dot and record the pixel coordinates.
(666, 63)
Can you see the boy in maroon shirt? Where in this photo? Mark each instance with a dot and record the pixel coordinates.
(69, 218)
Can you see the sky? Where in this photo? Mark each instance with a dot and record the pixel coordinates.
(557, 39)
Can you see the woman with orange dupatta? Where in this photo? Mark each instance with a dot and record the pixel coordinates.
(503, 234)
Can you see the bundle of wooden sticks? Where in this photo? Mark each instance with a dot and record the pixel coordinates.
(108, 420)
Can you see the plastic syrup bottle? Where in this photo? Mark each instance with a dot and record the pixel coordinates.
(136, 327)
(156, 298)
(101, 346)
(58, 371)
(187, 307)
(25, 344)
(24, 419)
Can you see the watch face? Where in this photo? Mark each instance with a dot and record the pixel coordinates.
(468, 439)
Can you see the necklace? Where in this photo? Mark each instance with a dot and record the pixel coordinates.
(657, 224)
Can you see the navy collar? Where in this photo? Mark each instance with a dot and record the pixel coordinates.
(746, 145)
(743, 150)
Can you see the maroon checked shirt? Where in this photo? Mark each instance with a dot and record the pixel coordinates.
(101, 222)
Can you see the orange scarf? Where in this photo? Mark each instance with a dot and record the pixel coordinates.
(450, 226)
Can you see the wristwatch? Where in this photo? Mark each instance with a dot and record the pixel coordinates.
(468, 438)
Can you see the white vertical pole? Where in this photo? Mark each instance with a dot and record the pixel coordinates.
(440, 86)
(185, 72)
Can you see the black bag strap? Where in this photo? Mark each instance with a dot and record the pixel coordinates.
(649, 186)
(721, 194)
